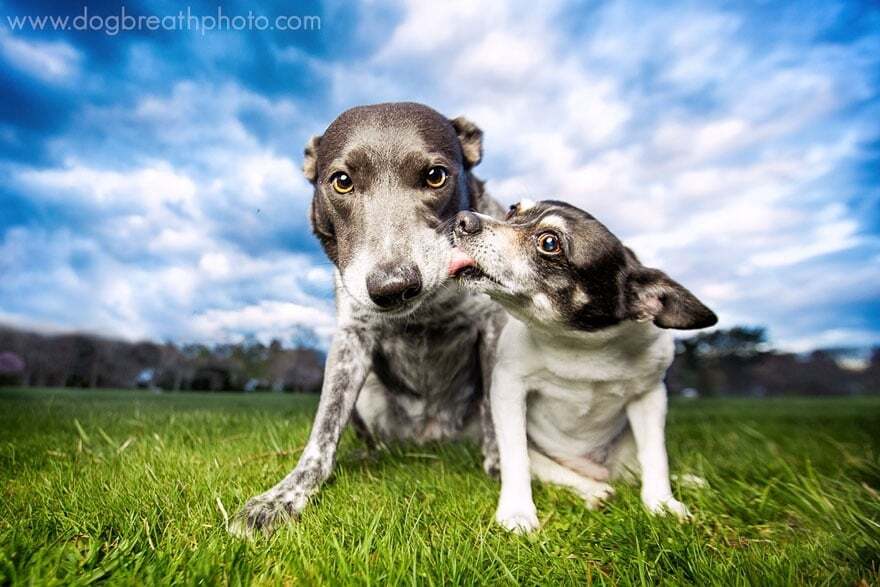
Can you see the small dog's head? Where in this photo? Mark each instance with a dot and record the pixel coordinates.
(386, 177)
(555, 264)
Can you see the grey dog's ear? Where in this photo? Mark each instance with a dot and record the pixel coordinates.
(653, 295)
(322, 225)
(310, 159)
(471, 138)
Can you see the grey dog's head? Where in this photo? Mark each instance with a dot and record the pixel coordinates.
(386, 177)
(557, 265)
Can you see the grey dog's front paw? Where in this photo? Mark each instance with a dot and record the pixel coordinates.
(492, 465)
(265, 513)
(491, 457)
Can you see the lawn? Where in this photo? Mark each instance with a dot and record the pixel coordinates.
(134, 487)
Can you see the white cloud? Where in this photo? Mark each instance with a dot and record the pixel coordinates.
(419, 32)
(265, 320)
(196, 300)
(54, 61)
(146, 189)
(833, 338)
(164, 251)
(826, 239)
(215, 265)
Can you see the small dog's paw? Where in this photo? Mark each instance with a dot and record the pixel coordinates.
(596, 495)
(265, 513)
(669, 505)
(518, 519)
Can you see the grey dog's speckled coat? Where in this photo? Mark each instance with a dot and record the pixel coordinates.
(420, 373)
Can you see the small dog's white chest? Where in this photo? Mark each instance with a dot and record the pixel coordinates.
(581, 410)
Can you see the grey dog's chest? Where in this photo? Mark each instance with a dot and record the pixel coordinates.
(426, 375)
(429, 360)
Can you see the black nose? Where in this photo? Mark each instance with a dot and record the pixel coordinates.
(391, 285)
(467, 223)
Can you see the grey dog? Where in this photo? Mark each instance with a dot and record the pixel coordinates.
(413, 354)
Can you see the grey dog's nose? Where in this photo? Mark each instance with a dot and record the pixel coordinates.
(467, 223)
(391, 285)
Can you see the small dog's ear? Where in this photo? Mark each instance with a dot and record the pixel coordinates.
(310, 160)
(653, 295)
(471, 138)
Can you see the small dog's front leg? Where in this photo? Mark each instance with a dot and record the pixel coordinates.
(647, 417)
(347, 367)
(516, 509)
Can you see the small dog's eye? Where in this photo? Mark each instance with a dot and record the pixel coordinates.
(511, 211)
(548, 243)
(341, 182)
(436, 176)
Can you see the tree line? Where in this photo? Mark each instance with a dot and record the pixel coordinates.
(736, 361)
(739, 361)
(84, 360)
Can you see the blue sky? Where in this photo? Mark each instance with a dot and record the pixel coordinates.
(151, 185)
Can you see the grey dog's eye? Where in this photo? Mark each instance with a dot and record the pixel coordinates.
(548, 243)
(341, 182)
(436, 176)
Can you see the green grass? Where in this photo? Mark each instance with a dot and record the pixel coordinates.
(134, 487)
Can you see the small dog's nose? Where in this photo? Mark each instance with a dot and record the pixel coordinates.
(391, 285)
(467, 223)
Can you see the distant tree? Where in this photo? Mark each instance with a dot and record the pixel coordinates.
(740, 341)
(719, 362)
(11, 368)
(174, 370)
(298, 369)
(305, 338)
(252, 355)
(871, 376)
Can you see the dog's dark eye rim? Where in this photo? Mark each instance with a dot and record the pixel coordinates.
(548, 237)
(341, 182)
(436, 176)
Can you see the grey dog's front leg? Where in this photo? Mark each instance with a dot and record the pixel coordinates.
(488, 346)
(347, 367)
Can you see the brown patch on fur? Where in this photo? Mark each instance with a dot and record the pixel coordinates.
(584, 466)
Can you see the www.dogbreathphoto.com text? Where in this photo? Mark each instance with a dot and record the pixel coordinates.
(127, 20)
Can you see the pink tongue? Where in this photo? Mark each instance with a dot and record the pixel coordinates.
(459, 261)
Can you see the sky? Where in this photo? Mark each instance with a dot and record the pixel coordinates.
(150, 182)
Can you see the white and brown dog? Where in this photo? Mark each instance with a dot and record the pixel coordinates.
(577, 395)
